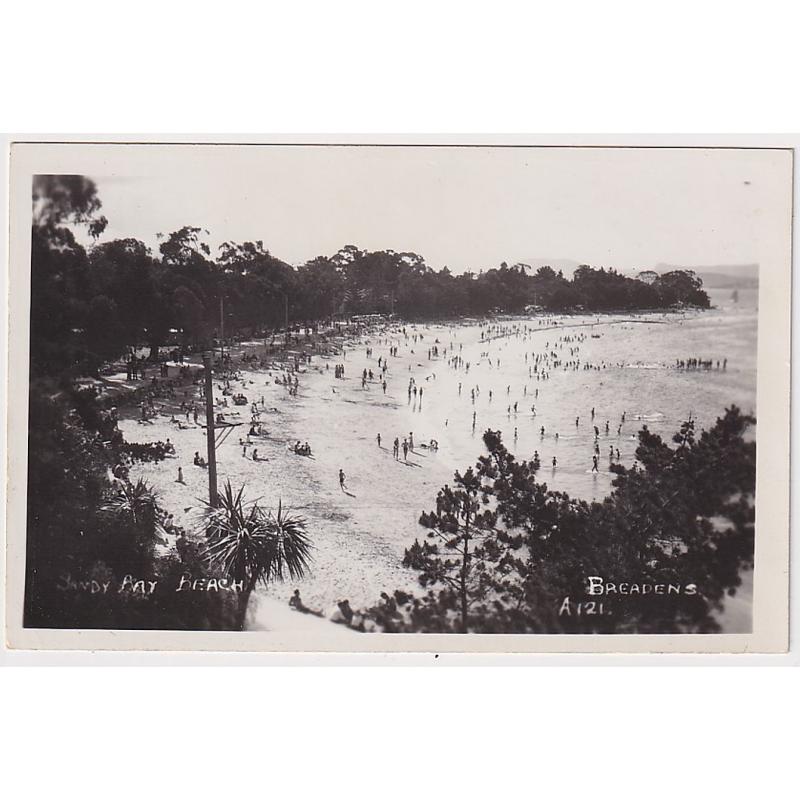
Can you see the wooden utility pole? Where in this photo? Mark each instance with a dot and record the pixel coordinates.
(213, 497)
(285, 314)
(222, 331)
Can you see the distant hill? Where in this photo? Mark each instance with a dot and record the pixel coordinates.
(722, 276)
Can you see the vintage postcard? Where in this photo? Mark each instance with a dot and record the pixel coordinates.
(399, 396)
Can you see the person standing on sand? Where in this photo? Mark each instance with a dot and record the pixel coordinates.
(180, 475)
(405, 450)
(396, 448)
(378, 439)
(594, 464)
(341, 479)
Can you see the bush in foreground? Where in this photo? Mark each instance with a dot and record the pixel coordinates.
(504, 554)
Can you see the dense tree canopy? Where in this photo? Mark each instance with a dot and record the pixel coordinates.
(136, 297)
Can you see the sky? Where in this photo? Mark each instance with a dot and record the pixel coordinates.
(463, 207)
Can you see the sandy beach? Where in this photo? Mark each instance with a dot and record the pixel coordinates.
(360, 531)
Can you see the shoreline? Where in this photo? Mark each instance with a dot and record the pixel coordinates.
(114, 388)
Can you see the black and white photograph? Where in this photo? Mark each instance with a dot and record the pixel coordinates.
(350, 396)
(433, 362)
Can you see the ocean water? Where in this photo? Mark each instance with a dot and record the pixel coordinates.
(637, 377)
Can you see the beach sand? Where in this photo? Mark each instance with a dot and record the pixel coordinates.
(360, 534)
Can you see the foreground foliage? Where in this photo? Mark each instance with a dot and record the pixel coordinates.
(504, 553)
(87, 529)
(250, 545)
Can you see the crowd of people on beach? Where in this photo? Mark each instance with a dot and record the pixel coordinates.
(564, 351)
(482, 391)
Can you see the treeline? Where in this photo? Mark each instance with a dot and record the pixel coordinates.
(90, 306)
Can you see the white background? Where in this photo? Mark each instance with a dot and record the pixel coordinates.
(339, 67)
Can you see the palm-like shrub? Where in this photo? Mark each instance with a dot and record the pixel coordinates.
(249, 544)
(134, 528)
(137, 502)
